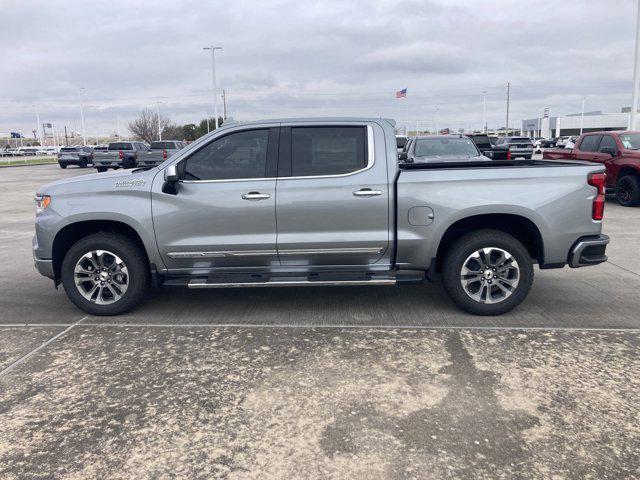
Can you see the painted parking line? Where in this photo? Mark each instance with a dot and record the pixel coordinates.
(319, 326)
(37, 349)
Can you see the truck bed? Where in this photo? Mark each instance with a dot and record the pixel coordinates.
(495, 164)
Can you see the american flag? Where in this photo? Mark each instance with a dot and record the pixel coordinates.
(401, 93)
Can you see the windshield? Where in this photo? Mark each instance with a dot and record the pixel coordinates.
(440, 147)
(630, 140)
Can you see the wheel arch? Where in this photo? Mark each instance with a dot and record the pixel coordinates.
(71, 233)
(628, 170)
(518, 226)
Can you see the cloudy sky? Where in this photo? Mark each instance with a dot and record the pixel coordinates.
(316, 58)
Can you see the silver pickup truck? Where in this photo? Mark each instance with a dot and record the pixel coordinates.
(159, 151)
(119, 155)
(309, 202)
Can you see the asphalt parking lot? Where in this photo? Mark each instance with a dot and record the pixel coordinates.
(359, 382)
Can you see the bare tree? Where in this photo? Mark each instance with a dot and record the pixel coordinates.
(172, 132)
(145, 125)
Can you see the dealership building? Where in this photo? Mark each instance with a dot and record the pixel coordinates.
(548, 127)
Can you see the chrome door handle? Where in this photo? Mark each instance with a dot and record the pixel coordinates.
(255, 196)
(367, 192)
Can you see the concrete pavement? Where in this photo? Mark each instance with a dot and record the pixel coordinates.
(360, 382)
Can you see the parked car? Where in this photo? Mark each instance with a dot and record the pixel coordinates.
(619, 152)
(548, 142)
(75, 155)
(119, 155)
(442, 149)
(561, 141)
(27, 151)
(316, 202)
(8, 152)
(493, 140)
(483, 142)
(159, 152)
(537, 141)
(518, 147)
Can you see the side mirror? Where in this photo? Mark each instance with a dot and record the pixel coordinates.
(610, 150)
(171, 174)
(171, 179)
(402, 156)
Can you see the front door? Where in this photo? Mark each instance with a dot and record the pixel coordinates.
(332, 202)
(222, 214)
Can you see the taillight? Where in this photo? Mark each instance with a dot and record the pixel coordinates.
(597, 180)
(508, 154)
(120, 155)
(164, 154)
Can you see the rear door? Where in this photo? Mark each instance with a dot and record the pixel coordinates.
(332, 196)
(587, 149)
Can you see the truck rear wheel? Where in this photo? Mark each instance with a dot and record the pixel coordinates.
(487, 272)
(105, 274)
(628, 190)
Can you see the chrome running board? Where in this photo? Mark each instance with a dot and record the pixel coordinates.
(287, 282)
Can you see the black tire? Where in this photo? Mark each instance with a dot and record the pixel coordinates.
(83, 163)
(628, 190)
(129, 163)
(132, 256)
(102, 169)
(63, 165)
(463, 248)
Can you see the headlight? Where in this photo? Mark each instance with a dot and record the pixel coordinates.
(42, 203)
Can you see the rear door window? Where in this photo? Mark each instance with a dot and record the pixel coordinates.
(590, 143)
(607, 142)
(321, 151)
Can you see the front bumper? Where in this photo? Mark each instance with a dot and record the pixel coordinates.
(588, 251)
(43, 265)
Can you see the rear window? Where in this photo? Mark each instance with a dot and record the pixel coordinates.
(163, 145)
(68, 149)
(120, 146)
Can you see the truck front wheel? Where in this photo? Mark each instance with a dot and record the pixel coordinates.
(105, 274)
(487, 272)
(628, 190)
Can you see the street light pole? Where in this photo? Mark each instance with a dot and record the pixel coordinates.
(636, 75)
(159, 129)
(484, 112)
(39, 128)
(215, 86)
(582, 115)
(84, 136)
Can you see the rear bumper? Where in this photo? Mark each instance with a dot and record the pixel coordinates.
(588, 251)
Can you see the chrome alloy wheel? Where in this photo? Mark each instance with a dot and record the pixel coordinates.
(101, 277)
(490, 275)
